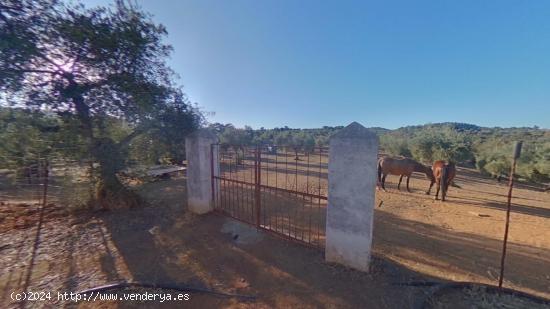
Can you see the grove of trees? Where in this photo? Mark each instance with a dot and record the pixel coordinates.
(487, 149)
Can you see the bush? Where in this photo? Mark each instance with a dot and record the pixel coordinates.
(430, 145)
(497, 167)
(396, 146)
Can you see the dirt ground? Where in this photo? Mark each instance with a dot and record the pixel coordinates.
(163, 243)
(415, 239)
(461, 239)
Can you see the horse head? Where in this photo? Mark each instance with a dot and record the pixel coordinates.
(429, 173)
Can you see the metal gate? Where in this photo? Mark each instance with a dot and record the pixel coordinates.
(280, 189)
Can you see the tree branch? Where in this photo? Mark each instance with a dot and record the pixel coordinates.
(138, 131)
(33, 71)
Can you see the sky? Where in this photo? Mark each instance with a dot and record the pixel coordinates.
(307, 64)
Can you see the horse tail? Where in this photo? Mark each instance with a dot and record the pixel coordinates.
(446, 175)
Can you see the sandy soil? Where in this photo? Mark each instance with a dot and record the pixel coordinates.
(163, 243)
(415, 238)
(461, 239)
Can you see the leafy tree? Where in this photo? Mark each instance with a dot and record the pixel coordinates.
(296, 140)
(321, 140)
(92, 63)
(237, 139)
(283, 138)
(25, 137)
(219, 128)
(307, 141)
(395, 145)
(430, 145)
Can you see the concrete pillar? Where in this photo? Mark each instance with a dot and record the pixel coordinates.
(351, 186)
(199, 170)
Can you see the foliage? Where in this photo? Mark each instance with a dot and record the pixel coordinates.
(236, 137)
(488, 148)
(90, 65)
(28, 136)
(432, 144)
(296, 140)
(395, 145)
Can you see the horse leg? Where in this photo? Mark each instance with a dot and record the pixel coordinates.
(408, 178)
(399, 184)
(444, 182)
(430, 188)
(384, 182)
(437, 192)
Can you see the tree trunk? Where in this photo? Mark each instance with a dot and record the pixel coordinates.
(109, 192)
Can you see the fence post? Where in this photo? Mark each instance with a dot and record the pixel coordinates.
(517, 152)
(201, 161)
(258, 183)
(352, 171)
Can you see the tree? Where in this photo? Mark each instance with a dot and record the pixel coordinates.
(297, 140)
(441, 144)
(25, 137)
(308, 142)
(395, 145)
(92, 63)
(237, 139)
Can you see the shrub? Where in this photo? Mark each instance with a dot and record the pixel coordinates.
(441, 144)
(396, 146)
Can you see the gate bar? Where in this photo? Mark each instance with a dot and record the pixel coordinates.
(257, 179)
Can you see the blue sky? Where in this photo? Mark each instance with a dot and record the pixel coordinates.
(382, 63)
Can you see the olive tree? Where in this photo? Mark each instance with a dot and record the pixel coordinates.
(91, 63)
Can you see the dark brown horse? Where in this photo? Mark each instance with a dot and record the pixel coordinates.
(401, 167)
(444, 173)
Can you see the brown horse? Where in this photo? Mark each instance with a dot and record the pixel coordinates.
(401, 167)
(443, 176)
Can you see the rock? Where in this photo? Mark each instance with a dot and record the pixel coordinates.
(241, 283)
(478, 214)
(154, 230)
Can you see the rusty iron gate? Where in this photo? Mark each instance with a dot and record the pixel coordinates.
(279, 189)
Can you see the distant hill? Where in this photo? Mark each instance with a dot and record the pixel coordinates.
(527, 134)
(472, 128)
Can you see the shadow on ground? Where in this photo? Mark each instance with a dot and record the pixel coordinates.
(444, 252)
(169, 245)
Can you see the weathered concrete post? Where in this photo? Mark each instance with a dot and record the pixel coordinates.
(199, 170)
(351, 186)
